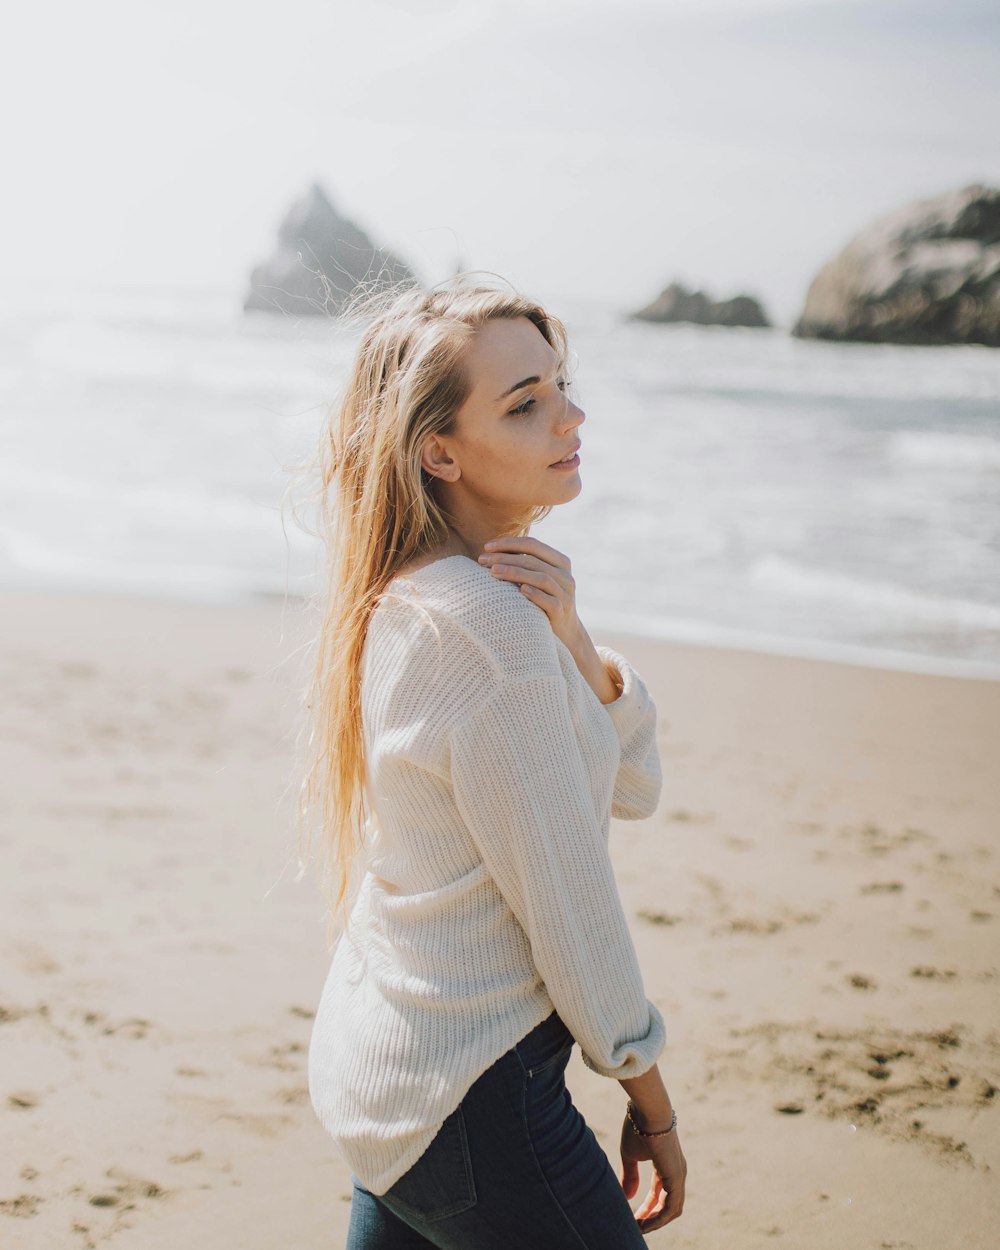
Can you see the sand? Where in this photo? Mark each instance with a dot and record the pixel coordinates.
(816, 906)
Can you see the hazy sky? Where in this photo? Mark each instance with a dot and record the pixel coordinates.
(594, 148)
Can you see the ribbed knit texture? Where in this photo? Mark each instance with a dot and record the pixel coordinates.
(488, 897)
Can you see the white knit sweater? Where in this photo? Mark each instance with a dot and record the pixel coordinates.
(488, 897)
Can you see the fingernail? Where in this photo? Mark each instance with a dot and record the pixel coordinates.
(489, 546)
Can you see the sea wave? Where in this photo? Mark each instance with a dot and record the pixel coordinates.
(199, 509)
(758, 364)
(26, 559)
(899, 605)
(931, 449)
(233, 366)
(699, 633)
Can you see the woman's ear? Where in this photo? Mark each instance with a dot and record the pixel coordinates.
(436, 460)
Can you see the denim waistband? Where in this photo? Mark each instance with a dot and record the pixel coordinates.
(544, 1042)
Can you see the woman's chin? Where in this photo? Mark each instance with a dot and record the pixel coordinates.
(571, 487)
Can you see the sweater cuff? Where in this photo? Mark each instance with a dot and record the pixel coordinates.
(634, 702)
(633, 1058)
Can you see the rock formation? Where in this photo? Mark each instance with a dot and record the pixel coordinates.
(320, 261)
(677, 303)
(927, 273)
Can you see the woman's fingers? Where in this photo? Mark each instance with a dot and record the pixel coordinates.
(629, 1177)
(651, 1202)
(527, 545)
(530, 566)
(665, 1200)
(544, 577)
(655, 1217)
(541, 581)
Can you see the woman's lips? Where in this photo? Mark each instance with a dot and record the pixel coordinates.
(571, 463)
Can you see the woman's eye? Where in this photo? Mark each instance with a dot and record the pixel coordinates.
(521, 409)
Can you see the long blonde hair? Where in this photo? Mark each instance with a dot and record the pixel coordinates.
(378, 512)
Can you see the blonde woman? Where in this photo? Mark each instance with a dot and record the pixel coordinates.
(471, 744)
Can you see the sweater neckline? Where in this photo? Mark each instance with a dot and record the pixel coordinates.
(405, 577)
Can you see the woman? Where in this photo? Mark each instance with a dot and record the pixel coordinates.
(467, 724)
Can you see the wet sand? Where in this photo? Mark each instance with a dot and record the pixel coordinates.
(816, 906)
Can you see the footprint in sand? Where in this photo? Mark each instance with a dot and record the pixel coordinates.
(35, 960)
(891, 1079)
(10, 1014)
(22, 1207)
(191, 1157)
(283, 1056)
(681, 815)
(132, 1027)
(763, 926)
(259, 1124)
(877, 842)
(296, 1096)
(658, 917)
(23, 1099)
(127, 1189)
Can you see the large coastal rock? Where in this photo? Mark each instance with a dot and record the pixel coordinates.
(927, 273)
(677, 303)
(320, 261)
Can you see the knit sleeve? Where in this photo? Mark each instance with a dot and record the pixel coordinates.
(520, 786)
(633, 714)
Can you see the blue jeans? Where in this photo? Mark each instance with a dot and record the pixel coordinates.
(514, 1167)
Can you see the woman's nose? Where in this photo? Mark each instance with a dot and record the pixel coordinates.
(573, 416)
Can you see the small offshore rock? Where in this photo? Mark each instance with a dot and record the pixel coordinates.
(677, 303)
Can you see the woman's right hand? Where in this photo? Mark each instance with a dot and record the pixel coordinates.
(665, 1199)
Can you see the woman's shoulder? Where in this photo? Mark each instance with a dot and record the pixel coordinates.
(455, 598)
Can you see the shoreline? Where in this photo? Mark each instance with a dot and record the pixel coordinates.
(698, 634)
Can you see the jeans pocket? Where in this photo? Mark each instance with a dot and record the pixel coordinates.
(440, 1183)
(546, 1046)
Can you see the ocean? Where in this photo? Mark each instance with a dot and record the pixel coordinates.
(740, 488)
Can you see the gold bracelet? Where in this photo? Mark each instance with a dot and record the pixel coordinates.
(642, 1132)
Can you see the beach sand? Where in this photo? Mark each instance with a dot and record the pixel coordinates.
(816, 906)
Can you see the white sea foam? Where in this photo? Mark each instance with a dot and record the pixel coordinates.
(75, 501)
(28, 560)
(895, 605)
(932, 449)
(602, 619)
(228, 366)
(771, 362)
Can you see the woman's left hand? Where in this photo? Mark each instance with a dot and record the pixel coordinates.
(545, 578)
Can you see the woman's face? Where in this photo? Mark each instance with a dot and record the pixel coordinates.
(516, 423)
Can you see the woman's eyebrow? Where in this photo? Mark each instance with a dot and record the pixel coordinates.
(518, 385)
